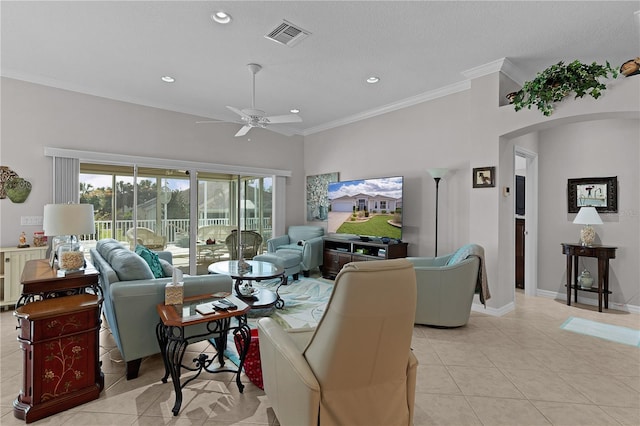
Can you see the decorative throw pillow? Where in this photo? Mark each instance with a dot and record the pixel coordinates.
(128, 265)
(152, 260)
(167, 268)
(460, 255)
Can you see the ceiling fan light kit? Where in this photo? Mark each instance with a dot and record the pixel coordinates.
(253, 117)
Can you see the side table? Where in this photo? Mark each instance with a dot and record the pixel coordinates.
(603, 253)
(41, 281)
(60, 343)
(181, 325)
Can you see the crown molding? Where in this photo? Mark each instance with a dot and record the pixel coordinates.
(414, 100)
(502, 65)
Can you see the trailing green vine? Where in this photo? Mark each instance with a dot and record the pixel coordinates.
(559, 80)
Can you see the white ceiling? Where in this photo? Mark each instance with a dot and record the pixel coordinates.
(120, 50)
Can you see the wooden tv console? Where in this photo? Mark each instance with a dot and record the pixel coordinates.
(339, 251)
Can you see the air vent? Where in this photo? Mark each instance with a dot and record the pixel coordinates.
(287, 33)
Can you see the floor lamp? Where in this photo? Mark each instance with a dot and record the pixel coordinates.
(437, 174)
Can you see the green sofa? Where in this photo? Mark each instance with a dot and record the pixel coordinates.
(131, 294)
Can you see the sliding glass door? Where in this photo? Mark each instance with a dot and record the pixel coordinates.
(152, 206)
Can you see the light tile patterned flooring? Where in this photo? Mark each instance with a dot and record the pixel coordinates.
(520, 369)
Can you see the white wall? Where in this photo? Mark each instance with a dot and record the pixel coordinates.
(407, 143)
(600, 148)
(462, 131)
(35, 116)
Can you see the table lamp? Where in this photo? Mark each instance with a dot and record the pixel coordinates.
(68, 221)
(587, 216)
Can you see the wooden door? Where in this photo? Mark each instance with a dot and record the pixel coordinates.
(520, 233)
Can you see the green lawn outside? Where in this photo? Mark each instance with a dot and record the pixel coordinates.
(376, 225)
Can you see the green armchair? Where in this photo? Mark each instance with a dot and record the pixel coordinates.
(305, 240)
(446, 286)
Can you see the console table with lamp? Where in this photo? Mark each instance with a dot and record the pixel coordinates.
(588, 216)
(59, 321)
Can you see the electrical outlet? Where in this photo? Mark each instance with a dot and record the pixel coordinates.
(31, 220)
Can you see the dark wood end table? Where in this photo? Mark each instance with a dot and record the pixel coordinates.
(173, 338)
(59, 339)
(603, 253)
(41, 281)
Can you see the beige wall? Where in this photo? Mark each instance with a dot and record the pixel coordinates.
(598, 148)
(35, 116)
(460, 131)
(472, 129)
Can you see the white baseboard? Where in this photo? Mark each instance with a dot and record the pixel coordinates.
(502, 310)
(634, 309)
(496, 312)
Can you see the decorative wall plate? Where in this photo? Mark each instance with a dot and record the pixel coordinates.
(5, 174)
(17, 189)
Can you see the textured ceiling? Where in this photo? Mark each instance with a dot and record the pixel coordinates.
(120, 50)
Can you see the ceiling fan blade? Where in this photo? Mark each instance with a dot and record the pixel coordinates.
(288, 118)
(210, 121)
(243, 131)
(239, 112)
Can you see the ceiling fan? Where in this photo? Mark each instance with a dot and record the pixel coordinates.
(252, 117)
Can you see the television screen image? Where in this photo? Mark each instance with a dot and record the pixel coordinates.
(366, 207)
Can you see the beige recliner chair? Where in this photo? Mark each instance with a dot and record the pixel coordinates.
(356, 367)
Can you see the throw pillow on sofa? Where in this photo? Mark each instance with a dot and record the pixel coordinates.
(152, 260)
(461, 254)
(167, 268)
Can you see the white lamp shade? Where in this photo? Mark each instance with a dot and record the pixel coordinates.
(587, 216)
(437, 173)
(68, 219)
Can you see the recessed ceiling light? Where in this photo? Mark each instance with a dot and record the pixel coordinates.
(167, 79)
(373, 79)
(294, 111)
(221, 17)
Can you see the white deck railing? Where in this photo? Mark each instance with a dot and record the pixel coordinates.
(173, 229)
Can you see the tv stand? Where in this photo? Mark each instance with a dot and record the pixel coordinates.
(338, 251)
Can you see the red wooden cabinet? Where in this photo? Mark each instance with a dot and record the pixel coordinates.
(59, 338)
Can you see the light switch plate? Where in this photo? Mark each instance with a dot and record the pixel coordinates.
(31, 220)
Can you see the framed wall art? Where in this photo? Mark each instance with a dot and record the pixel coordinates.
(601, 193)
(318, 196)
(484, 177)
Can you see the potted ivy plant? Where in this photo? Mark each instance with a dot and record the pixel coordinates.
(559, 80)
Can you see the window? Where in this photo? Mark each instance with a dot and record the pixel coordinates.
(152, 206)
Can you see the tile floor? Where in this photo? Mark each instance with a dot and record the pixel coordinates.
(520, 369)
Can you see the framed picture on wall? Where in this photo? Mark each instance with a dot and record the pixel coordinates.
(318, 196)
(484, 177)
(601, 193)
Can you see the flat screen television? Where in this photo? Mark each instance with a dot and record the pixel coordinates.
(366, 208)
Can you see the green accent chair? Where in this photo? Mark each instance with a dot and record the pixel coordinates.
(446, 286)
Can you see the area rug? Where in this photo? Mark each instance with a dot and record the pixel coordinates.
(304, 304)
(614, 333)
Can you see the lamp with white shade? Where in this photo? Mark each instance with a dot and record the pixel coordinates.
(437, 174)
(68, 220)
(587, 216)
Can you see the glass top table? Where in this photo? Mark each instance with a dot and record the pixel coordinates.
(258, 271)
(173, 339)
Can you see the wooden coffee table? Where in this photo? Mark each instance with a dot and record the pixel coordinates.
(262, 298)
(174, 336)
